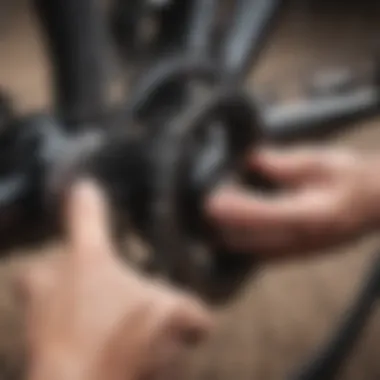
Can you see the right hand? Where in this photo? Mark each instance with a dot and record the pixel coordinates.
(328, 196)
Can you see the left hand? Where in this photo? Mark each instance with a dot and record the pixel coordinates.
(90, 317)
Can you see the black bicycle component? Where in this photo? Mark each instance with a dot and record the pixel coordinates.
(23, 173)
(176, 203)
(75, 33)
(126, 20)
(332, 82)
(172, 21)
(307, 118)
(151, 90)
(253, 21)
(201, 28)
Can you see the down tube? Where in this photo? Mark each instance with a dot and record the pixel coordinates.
(75, 33)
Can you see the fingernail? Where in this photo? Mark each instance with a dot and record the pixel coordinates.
(82, 191)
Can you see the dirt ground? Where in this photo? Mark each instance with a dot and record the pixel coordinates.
(281, 315)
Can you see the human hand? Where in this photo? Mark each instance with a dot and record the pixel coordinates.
(90, 317)
(327, 196)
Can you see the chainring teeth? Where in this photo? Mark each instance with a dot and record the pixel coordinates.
(173, 159)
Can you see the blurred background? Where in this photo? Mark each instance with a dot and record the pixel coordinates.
(280, 317)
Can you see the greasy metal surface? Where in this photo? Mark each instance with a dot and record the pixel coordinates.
(290, 307)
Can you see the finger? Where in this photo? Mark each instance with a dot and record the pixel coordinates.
(240, 208)
(258, 241)
(288, 166)
(87, 220)
(269, 243)
(275, 244)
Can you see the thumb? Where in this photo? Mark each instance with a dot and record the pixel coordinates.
(87, 220)
(288, 166)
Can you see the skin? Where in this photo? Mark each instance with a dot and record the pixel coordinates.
(327, 197)
(90, 317)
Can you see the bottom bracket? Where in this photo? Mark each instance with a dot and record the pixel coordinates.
(180, 187)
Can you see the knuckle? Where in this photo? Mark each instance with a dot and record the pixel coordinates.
(343, 159)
